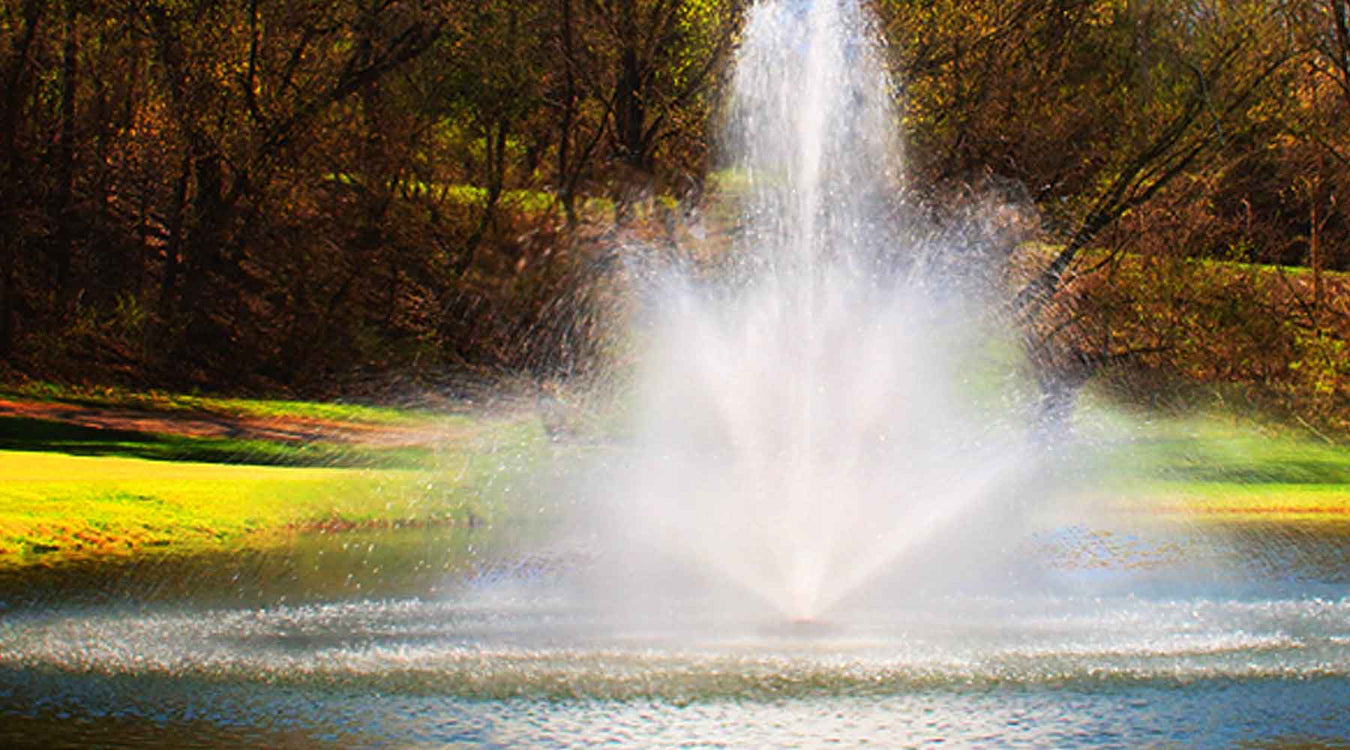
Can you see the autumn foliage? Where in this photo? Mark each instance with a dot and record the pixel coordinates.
(307, 194)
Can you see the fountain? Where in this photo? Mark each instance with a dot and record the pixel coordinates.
(808, 423)
(827, 524)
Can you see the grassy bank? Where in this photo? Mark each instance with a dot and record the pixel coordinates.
(55, 506)
(1215, 467)
(42, 435)
(71, 492)
(111, 397)
(109, 421)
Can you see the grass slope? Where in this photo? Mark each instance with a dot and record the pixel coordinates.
(56, 507)
(1213, 468)
(43, 435)
(179, 403)
(70, 491)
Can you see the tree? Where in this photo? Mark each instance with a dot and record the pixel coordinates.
(1098, 108)
(19, 71)
(660, 62)
(247, 87)
(1185, 106)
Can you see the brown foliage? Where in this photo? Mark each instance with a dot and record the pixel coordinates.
(301, 195)
(1162, 325)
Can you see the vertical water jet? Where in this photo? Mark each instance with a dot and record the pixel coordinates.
(811, 421)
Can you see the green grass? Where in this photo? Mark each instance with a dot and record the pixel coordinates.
(40, 435)
(73, 505)
(1040, 253)
(178, 403)
(57, 507)
(1214, 467)
(36, 434)
(74, 492)
(529, 201)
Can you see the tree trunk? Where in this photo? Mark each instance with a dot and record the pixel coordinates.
(7, 292)
(15, 82)
(566, 191)
(64, 205)
(14, 87)
(168, 293)
(494, 146)
(208, 212)
(629, 113)
(629, 109)
(1315, 253)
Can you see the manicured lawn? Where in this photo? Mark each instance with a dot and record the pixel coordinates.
(179, 403)
(178, 427)
(1212, 468)
(69, 491)
(57, 506)
(41, 435)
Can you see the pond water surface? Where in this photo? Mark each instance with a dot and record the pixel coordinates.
(441, 637)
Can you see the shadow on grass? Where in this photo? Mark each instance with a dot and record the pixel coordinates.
(1247, 462)
(27, 434)
(1290, 472)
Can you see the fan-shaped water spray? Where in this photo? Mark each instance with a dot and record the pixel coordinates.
(810, 422)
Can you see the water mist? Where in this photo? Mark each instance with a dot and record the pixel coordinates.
(825, 413)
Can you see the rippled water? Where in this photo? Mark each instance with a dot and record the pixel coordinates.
(1156, 637)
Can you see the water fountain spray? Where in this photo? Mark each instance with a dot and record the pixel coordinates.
(811, 421)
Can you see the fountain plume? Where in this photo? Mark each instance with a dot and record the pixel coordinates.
(809, 423)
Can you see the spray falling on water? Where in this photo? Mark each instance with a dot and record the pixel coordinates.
(812, 424)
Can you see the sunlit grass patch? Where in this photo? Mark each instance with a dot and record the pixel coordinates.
(74, 504)
(1273, 501)
(26, 434)
(1200, 451)
(1213, 467)
(177, 403)
(55, 506)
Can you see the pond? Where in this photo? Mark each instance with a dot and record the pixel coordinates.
(1165, 635)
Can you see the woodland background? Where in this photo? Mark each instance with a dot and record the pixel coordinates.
(324, 196)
